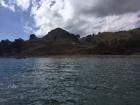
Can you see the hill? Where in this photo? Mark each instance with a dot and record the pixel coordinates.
(61, 42)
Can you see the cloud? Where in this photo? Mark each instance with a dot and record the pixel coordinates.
(79, 16)
(27, 28)
(106, 7)
(85, 16)
(47, 16)
(9, 6)
(121, 22)
(23, 4)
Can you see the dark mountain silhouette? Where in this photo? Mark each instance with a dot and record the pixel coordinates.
(61, 36)
(61, 42)
(57, 33)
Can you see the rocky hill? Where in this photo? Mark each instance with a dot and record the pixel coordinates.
(61, 42)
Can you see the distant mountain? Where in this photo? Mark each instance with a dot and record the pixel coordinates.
(61, 36)
(61, 42)
(120, 35)
(57, 33)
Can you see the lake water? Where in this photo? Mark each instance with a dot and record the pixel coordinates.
(70, 81)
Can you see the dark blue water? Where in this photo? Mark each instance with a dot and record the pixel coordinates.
(70, 81)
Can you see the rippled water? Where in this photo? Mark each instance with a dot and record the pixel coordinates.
(70, 81)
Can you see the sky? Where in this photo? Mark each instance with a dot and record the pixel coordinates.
(20, 18)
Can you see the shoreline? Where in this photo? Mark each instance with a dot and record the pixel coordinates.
(75, 56)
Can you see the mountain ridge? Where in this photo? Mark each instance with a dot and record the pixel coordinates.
(61, 42)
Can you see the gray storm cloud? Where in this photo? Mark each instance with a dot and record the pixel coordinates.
(107, 7)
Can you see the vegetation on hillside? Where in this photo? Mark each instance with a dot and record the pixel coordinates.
(61, 42)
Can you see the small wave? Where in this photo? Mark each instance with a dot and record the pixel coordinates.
(51, 102)
(56, 102)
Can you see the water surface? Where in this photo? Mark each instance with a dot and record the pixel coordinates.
(70, 81)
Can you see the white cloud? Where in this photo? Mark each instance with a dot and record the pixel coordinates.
(23, 4)
(27, 28)
(9, 6)
(121, 22)
(48, 17)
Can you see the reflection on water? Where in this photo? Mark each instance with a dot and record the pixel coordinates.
(70, 81)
